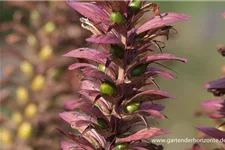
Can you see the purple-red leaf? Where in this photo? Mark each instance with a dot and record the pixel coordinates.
(157, 21)
(150, 105)
(212, 132)
(73, 117)
(80, 141)
(90, 85)
(71, 105)
(150, 95)
(82, 145)
(80, 65)
(96, 74)
(157, 57)
(151, 71)
(90, 54)
(153, 113)
(68, 146)
(216, 84)
(92, 12)
(213, 104)
(216, 116)
(143, 134)
(104, 39)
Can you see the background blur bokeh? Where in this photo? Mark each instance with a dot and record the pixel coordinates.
(34, 80)
(196, 40)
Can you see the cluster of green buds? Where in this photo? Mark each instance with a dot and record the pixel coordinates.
(34, 83)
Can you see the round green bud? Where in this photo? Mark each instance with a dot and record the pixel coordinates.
(108, 89)
(132, 107)
(122, 146)
(135, 5)
(101, 67)
(117, 17)
(139, 70)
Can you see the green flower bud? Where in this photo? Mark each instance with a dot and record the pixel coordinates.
(132, 107)
(139, 70)
(117, 17)
(122, 146)
(101, 67)
(108, 89)
(135, 5)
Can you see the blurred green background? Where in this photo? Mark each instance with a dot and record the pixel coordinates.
(196, 41)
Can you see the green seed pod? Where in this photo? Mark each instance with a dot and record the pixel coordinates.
(139, 70)
(108, 89)
(117, 51)
(102, 123)
(101, 67)
(135, 5)
(122, 146)
(117, 17)
(132, 107)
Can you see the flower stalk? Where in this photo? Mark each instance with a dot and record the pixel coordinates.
(115, 99)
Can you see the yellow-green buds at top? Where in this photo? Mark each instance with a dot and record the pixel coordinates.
(117, 51)
(135, 5)
(102, 123)
(31, 110)
(122, 146)
(108, 89)
(38, 83)
(101, 67)
(117, 17)
(25, 130)
(49, 27)
(132, 107)
(46, 52)
(6, 136)
(22, 95)
(17, 117)
(27, 68)
(139, 70)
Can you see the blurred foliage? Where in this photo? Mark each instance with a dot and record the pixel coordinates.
(34, 81)
(196, 40)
